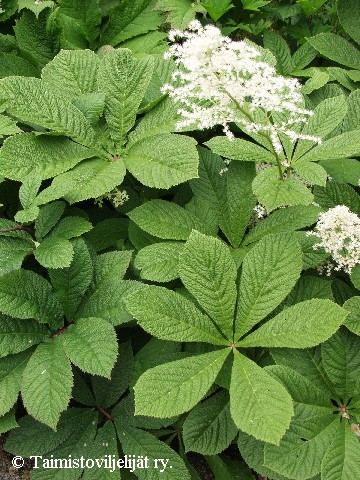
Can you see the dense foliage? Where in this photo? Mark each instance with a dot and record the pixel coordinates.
(180, 237)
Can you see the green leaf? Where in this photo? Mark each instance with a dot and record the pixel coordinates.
(336, 48)
(163, 462)
(216, 8)
(48, 217)
(159, 262)
(91, 105)
(238, 149)
(176, 387)
(166, 220)
(27, 215)
(337, 194)
(264, 408)
(348, 13)
(34, 7)
(107, 392)
(342, 459)
(278, 46)
(47, 155)
(33, 101)
(355, 276)
(71, 227)
(71, 283)
(111, 266)
(296, 458)
(162, 161)
(303, 325)
(8, 422)
(72, 72)
(343, 145)
(179, 12)
(72, 35)
(12, 253)
(84, 344)
(312, 172)
(11, 64)
(284, 220)
(89, 179)
(304, 55)
(169, 316)
(33, 38)
(8, 126)
(47, 383)
(209, 428)
(25, 294)
(29, 189)
(310, 6)
(353, 320)
(209, 273)
(87, 14)
(254, 5)
(124, 80)
(54, 252)
(273, 192)
(128, 20)
(269, 272)
(340, 357)
(11, 370)
(326, 117)
(227, 468)
(18, 335)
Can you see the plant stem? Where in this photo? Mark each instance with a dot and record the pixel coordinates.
(105, 413)
(14, 229)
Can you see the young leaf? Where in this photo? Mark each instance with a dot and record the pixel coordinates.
(47, 383)
(169, 316)
(303, 325)
(176, 387)
(273, 192)
(124, 81)
(11, 370)
(47, 155)
(71, 283)
(209, 273)
(25, 294)
(166, 220)
(159, 262)
(238, 149)
(162, 161)
(162, 460)
(264, 408)
(209, 428)
(54, 252)
(270, 270)
(18, 335)
(85, 342)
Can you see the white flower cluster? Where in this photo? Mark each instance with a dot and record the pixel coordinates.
(116, 197)
(220, 81)
(339, 232)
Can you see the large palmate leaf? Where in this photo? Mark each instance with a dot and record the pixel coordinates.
(270, 270)
(162, 161)
(34, 101)
(209, 428)
(169, 316)
(124, 80)
(174, 388)
(73, 73)
(303, 325)
(25, 294)
(209, 273)
(84, 343)
(166, 220)
(259, 405)
(11, 370)
(18, 335)
(47, 155)
(47, 383)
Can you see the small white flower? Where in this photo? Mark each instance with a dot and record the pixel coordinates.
(339, 232)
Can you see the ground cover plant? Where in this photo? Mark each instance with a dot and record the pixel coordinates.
(180, 238)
